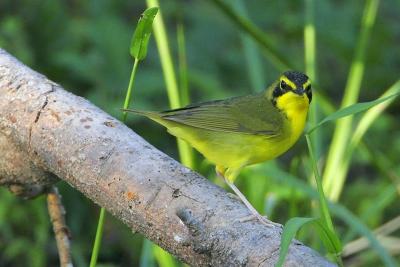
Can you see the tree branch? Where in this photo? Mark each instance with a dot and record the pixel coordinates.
(65, 135)
(61, 231)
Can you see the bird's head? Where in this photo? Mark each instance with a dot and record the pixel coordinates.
(292, 88)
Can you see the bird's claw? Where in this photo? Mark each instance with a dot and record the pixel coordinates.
(263, 219)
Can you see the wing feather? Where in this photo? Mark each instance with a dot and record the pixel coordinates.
(252, 114)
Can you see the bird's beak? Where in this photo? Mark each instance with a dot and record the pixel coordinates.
(299, 91)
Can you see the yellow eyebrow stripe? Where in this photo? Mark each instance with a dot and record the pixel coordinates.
(288, 82)
(307, 83)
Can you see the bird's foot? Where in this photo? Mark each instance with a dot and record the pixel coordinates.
(263, 219)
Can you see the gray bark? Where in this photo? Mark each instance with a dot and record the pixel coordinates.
(47, 132)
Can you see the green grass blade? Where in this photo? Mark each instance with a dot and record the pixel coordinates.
(185, 151)
(290, 229)
(310, 40)
(165, 56)
(164, 259)
(338, 210)
(289, 232)
(343, 127)
(326, 217)
(141, 36)
(330, 239)
(186, 154)
(351, 110)
(364, 124)
(97, 241)
(371, 115)
(146, 257)
(272, 54)
(183, 68)
(311, 70)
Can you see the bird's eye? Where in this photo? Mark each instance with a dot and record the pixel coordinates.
(284, 86)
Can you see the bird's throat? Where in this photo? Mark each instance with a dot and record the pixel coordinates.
(295, 109)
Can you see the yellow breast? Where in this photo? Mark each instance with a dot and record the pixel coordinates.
(295, 108)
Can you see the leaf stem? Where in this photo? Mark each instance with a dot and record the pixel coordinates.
(183, 68)
(99, 231)
(310, 68)
(343, 129)
(185, 151)
(167, 65)
(326, 217)
(129, 90)
(97, 241)
(323, 204)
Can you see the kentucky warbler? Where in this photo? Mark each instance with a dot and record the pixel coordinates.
(239, 131)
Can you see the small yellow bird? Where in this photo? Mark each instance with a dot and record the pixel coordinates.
(240, 131)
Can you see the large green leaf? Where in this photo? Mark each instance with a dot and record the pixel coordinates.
(141, 36)
(351, 110)
(329, 238)
(339, 210)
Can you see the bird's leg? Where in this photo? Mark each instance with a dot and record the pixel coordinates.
(232, 175)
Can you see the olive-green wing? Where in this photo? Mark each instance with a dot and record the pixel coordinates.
(253, 114)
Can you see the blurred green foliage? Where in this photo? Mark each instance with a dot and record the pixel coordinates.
(84, 46)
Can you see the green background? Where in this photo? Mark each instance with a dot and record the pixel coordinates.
(84, 46)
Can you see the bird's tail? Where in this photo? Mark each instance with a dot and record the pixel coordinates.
(155, 116)
(159, 118)
(149, 114)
